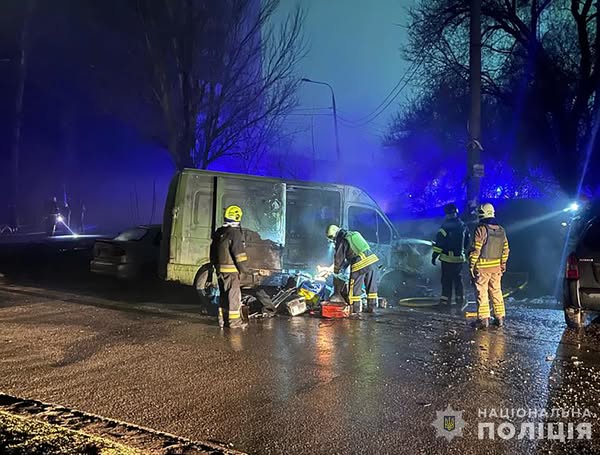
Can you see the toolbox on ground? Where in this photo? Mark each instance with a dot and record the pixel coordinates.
(335, 310)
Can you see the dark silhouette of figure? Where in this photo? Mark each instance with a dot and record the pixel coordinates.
(52, 214)
(78, 217)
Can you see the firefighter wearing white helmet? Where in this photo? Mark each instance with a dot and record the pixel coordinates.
(352, 249)
(487, 263)
(228, 257)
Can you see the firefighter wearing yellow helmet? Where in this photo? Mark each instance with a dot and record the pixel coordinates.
(228, 257)
(352, 249)
(487, 262)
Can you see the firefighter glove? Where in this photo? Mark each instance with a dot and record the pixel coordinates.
(473, 275)
(434, 257)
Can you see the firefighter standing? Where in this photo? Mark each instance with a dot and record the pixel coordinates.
(450, 244)
(351, 248)
(228, 256)
(487, 263)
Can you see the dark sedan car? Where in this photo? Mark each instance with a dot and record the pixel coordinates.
(581, 291)
(132, 254)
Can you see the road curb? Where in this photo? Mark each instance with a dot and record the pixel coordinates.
(141, 438)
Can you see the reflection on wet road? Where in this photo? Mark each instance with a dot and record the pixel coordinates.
(302, 385)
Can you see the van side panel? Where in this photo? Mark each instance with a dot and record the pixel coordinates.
(193, 220)
(263, 224)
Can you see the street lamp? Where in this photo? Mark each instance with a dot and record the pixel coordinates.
(335, 122)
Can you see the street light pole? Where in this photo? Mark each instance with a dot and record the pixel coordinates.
(335, 122)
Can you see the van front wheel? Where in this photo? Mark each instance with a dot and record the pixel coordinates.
(205, 290)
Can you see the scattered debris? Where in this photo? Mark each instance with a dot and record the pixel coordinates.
(550, 358)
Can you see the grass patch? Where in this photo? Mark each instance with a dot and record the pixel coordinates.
(21, 435)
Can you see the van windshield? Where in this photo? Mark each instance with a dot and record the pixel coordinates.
(370, 224)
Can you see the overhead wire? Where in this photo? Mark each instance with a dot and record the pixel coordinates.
(384, 105)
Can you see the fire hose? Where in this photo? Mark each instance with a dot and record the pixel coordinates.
(428, 302)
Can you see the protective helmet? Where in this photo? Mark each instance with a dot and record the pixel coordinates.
(332, 231)
(486, 211)
(450, 209)
(233, 213)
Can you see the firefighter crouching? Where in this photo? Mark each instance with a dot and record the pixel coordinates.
(450, 244)
(228, 256)
(351, 248)
(487, 263)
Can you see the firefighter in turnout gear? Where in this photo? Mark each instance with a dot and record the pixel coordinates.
(228, 257)
(450, 244)
(487, 263)
(352, 249)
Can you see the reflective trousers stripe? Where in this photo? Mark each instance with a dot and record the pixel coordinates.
(351, 296)
(231, 314)
(488, 286)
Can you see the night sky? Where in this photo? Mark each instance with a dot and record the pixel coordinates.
(354, 46)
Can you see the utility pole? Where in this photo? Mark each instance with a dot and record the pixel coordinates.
(475, 170)
(335, 120)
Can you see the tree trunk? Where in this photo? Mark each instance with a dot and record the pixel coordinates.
(567, 161)
(16, 145)
(180, 151)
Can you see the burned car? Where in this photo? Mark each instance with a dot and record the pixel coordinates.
(284, 225)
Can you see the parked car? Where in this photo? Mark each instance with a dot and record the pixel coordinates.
(581, 290)
(130, 255)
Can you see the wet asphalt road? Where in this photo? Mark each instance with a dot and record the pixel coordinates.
(296, 385)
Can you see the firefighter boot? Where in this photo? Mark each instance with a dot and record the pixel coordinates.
(499, 322)
(369, 308)
(481, 324)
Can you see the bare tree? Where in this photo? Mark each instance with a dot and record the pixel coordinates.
(541, 60)
(223, 73)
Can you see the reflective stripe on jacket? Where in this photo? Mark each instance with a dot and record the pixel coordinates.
(228, 251)
(344, 255)
(451, 241)
(490, 248)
